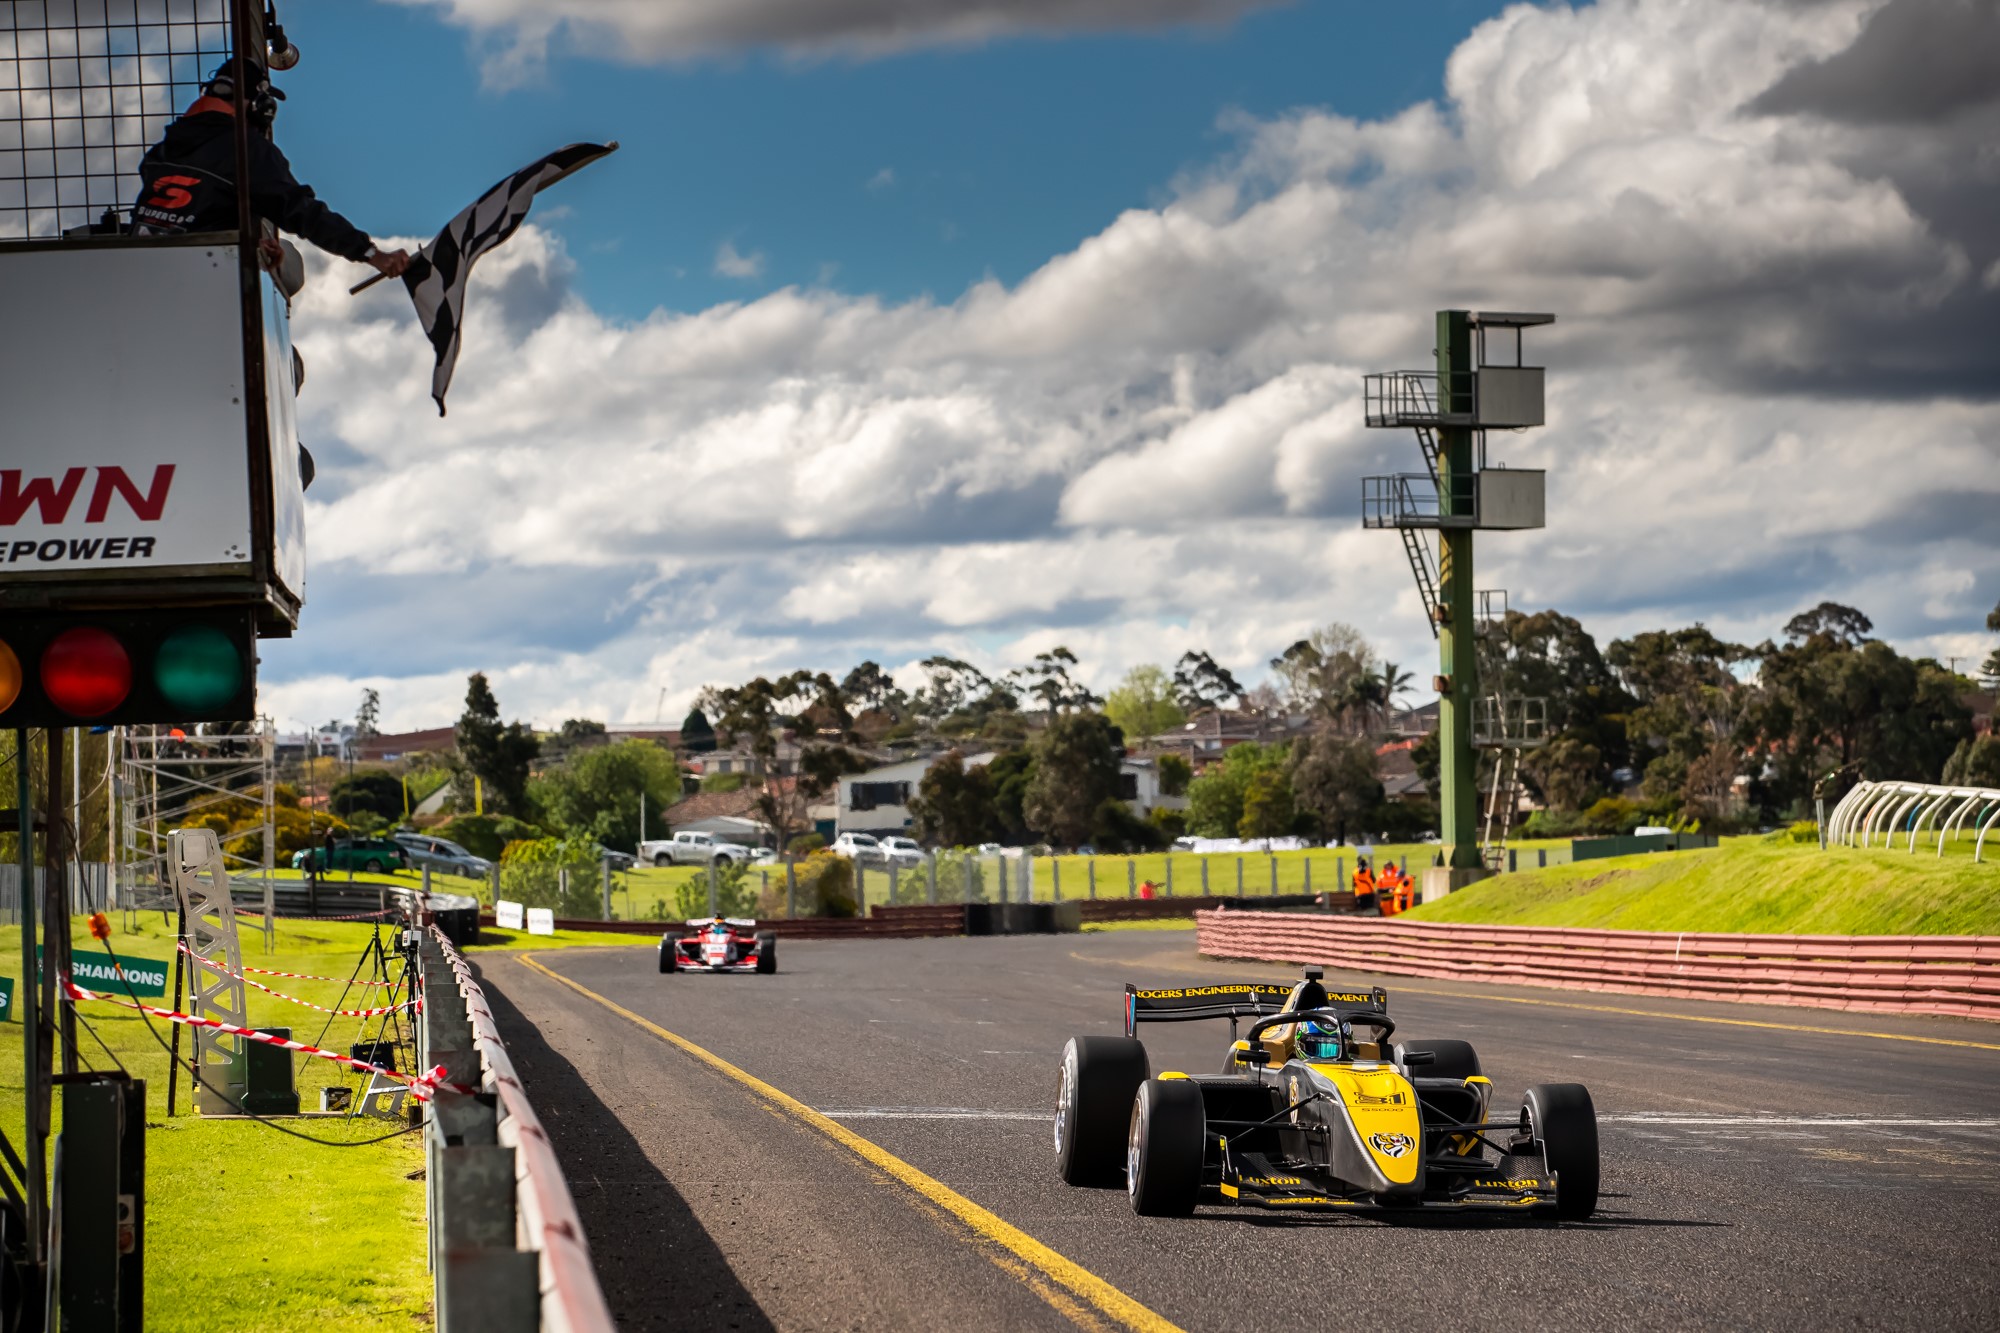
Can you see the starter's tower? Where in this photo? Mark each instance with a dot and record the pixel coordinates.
(1451, 410)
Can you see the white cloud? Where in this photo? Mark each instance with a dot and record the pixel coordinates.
(882, 180)
(1154, 442)
(666, 30)
(730, 264)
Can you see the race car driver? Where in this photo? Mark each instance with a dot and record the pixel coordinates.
(189, 178)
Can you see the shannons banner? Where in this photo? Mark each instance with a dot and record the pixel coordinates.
(143, 976)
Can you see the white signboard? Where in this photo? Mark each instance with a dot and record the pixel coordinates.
(508, 915)
(541, 921)
(125, 450)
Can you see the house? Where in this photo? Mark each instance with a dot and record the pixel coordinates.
(736, 759)
(1397, 767)
(728, 814)
(1139, 787)
(389, 748)
(878, 801)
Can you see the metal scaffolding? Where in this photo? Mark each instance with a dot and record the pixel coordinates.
(169, 777)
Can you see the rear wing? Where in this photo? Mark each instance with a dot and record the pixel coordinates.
(748, 923)
(1235, 1000)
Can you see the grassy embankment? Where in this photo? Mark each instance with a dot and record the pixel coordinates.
(300, 1235)
(1750, 885)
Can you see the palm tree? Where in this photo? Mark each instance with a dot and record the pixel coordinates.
(1391, 681)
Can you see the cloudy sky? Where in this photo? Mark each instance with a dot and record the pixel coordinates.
(979, 326)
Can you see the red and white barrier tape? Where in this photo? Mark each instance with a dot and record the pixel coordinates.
(269, 971)
(341, 1013)
(420, 1086)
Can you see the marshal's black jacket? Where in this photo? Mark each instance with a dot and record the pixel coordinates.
(190, 185)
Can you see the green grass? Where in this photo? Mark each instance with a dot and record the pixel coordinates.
(298, 1235)
(1747, 885)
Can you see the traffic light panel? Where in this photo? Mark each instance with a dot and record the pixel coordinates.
(77, 669)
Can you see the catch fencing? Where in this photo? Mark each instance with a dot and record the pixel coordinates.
(1950, 975)
(507, 1249)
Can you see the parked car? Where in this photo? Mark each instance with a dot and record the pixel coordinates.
(373, 855)
(694, 849)
(902, 851)
(860, 848)
(618, 860)
(440, 854)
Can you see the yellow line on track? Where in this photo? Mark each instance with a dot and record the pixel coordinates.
(1093, 1290)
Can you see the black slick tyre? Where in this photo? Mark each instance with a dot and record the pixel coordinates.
(1455, 1059)
(1100, 1076)
(1163, 1151)
(767, 952)
(669, 954)
(1563, 1121)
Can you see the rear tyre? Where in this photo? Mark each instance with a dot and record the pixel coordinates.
(725, 860)
(1455, 1059)
(1163, 1150)
(661, 860)
(1563, 1121)
(767, 952)
(372, 866)
(669, 954)
(1100, 1076)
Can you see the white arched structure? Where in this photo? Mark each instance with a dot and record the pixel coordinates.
(1889, 808)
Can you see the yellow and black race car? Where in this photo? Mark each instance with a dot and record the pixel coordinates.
(1315, 1109)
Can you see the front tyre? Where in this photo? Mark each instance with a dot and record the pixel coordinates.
(670, 951)
(1563, 1121)
(372, 866)
(1163, 1150)
(767, 952)
(1455, 1059)
(1100, 1076)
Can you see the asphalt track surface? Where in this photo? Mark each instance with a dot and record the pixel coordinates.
(1757, 1173)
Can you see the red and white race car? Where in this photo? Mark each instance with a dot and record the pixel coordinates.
(719, 944)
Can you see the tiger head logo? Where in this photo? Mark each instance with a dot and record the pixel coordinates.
(1392, 1145)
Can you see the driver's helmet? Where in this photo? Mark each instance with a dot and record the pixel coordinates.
(718, 927)
(1321, 1039)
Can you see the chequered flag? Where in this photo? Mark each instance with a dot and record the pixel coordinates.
(437, 273)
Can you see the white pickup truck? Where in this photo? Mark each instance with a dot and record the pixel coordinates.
(694, 849)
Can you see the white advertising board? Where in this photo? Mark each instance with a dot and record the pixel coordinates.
(541, 921)
(507, 915)
(121, 369)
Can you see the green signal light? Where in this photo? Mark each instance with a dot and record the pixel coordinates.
(198, 668)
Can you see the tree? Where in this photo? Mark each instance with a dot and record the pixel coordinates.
(498, 756)
(697, 736)
(1267, 805)
(1550, 656)
(754, 715)
(1991, 667)
(596, 795)
(1688, 704)
(575, 733)
(1975, 763)
(1143, 705)
(1200, 682)
(1076, 771)
(1011, 775)
(1175, 774)
(374, 791)
(1052, 683)
(1215, 799)
(1842, 624)
(1333, 777)
(954, 804)
(959, 698)
(366, 716)
(1331, 675)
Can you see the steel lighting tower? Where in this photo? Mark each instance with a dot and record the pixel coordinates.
(1451, 410)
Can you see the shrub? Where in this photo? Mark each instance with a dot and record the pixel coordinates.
(531, 873)
(487, 835)
(804, 844)
(826, 886)
(733, 894)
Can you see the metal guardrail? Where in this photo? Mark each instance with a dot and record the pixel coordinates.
(507, 1249)
(1955, 975)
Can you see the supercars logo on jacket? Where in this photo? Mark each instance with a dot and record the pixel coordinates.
(1392, 1145)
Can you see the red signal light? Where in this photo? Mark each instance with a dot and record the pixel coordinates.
(86, 672)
